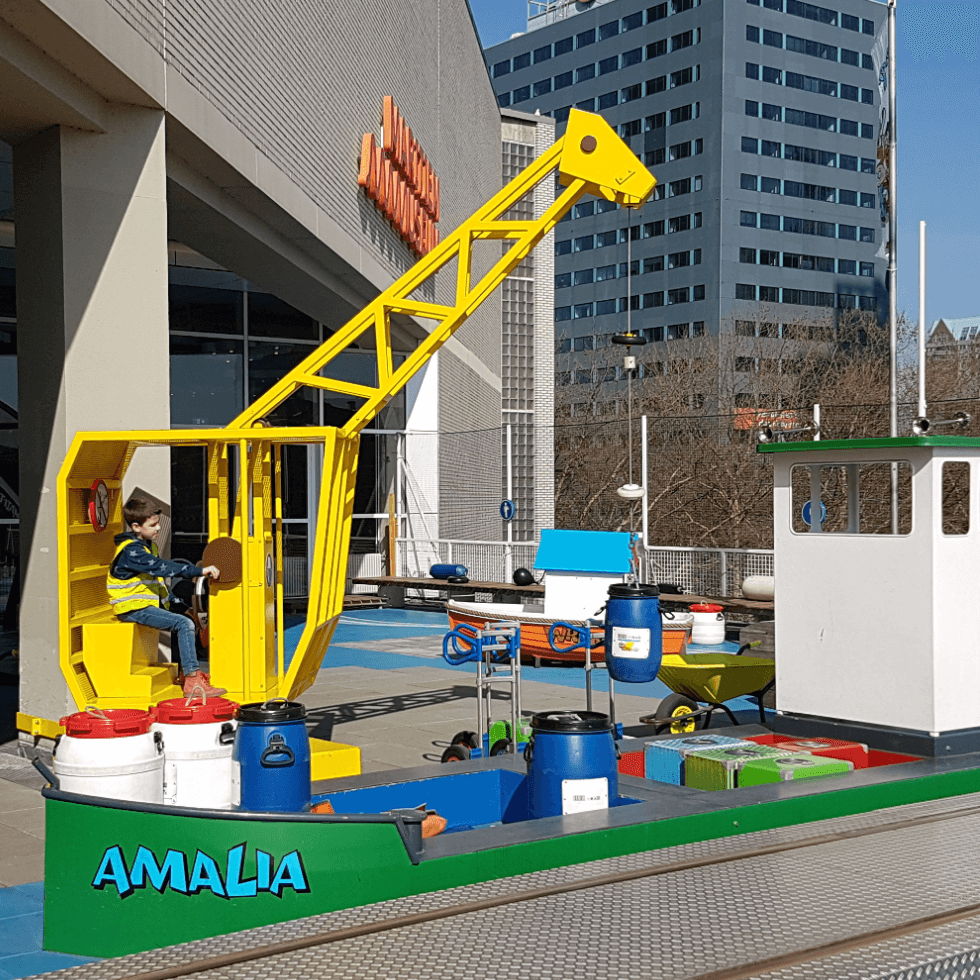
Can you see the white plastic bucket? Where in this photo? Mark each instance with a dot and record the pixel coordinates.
(122, 768)
(198, 741)
(709, 626)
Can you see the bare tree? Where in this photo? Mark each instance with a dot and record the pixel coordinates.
(704, 398)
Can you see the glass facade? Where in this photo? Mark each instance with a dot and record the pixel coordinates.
(9, 445)
(230, 343)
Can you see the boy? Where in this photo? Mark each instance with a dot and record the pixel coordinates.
(139, 595)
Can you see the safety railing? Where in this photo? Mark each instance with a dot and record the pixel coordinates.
(485, 561)
(707, 571)
(700, 571)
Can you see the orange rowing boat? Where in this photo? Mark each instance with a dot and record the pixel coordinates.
(536, 628)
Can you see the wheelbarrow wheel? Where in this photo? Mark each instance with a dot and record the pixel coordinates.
(501, 746)
(465, 738)
(676, 706)
(456, 753)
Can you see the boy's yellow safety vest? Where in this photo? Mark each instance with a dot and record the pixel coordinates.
(127, 594)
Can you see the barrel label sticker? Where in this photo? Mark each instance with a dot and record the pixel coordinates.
(579, 795)
(633, 644)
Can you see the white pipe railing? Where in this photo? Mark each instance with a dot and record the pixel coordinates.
(699, 571)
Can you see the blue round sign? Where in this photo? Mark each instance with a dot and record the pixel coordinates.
(507, 510)
(807, 513)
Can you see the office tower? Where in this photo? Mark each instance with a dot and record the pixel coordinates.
(759, 119)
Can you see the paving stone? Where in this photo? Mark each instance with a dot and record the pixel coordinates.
(13, 796)
(29, 821)
(21, 858)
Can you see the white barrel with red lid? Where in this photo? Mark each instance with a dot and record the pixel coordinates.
(709, 623)
(111, 752)
(198, 739)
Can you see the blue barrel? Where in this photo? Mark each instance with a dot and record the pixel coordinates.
(634, 633)
(272, 755)
(444, 571)
(571, 763)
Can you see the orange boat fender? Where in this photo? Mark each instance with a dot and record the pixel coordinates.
(432, 825)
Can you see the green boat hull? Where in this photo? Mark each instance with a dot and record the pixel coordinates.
(120, 878)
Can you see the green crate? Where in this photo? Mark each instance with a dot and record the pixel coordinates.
(713, 769)
(758, 771)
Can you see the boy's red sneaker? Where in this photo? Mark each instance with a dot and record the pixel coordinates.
(199, 686)
(181, 676)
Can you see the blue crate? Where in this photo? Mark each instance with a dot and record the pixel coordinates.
(665, 758)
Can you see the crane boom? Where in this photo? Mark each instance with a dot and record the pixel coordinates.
(112, 664)
(591, 159)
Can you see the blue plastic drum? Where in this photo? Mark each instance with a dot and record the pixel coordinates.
(272, 757)
(634, 633)
(571, 763)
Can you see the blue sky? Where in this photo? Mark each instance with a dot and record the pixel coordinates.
(938, 143)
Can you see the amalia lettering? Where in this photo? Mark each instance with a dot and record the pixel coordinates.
(178, 872)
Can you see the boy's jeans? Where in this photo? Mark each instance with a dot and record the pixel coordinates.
(163, 619)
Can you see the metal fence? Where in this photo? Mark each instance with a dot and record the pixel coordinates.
(296, 575)
(7, 575)
(707, 571)
(486, 561)
(368, 564)
(700, 571)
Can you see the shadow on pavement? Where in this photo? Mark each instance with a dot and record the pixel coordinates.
(338, 714)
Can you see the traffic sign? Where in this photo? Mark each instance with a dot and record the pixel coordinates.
(807, 513)
(507, 510)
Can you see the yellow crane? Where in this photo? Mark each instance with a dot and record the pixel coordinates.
(111, 664)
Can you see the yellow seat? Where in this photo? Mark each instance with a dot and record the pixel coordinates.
(123, 658)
